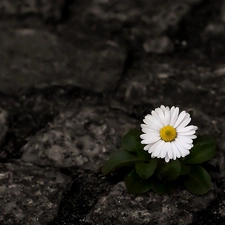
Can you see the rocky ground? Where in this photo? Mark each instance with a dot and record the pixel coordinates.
(75, 76)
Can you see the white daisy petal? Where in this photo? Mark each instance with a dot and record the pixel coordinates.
(167, 159)
(186, 121)
(183, 151)
(159, 117)
(150, 140)
(166, 133)
(179, 119)
(152, 120)
(156, 148)
(163, 108)
(185, 139)
(159, 149)
(186, 133)
(147, 147)
(166, 113)
(176, 153)
(167, 117)
(174, 116)
(191, 136)
(184, 144)
(170, 151)
(150, 127)
(171, 113)
(149, 130)
(164, 150)
(188, 128)
(149, 136)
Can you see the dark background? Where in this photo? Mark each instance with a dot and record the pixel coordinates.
(120, 59)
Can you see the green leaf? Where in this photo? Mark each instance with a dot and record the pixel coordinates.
(145, 170)
(119, 159)
(137, 185)
(185, 169)
(203, 150)
(142, 154)
(169, 171)
(132, 141)
(198, 181)
(162, 186)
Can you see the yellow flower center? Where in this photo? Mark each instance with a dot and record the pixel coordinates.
(168, 133)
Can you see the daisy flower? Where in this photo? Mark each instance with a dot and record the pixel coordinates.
(166, 134)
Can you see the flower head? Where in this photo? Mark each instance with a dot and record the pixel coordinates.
(166, 133)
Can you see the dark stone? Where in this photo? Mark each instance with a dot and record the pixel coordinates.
(99, 46)
(29, 194)
(119, 207)
(46, 9)
(46, 61)
(3, 125)
(82, 137)
(84, 194)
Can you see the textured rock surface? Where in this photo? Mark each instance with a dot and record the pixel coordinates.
(132, 56)
(118, 207)
(3, 125)
(149, 81)
(33, 58)
(82, 138)
(95, 63)
(29, 194)
(46, 9)
(74, 206)
(136, 24)
(137, 19)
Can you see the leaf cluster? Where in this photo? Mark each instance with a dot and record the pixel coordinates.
(148, 173)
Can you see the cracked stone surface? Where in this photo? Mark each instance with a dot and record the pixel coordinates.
(118, 207)
(90, 187)
(84, 137)
(3, 125)
(170, 76)
(75, 76)
(46, 9)
(136, 20)
(29, 194)
(34, 58)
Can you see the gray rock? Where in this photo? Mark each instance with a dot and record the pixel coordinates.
(159, 45)
(223, 11)
(82, 138)
(85, 192)
(46, 9)
(39, 58)
(29, 194)
(3, 125)
(94, 63)
(220, 70)
(32, 55)
(136, 18)
(167, 82)
(215, 29)
(119, 207)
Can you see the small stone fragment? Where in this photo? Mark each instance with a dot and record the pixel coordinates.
(159, 45)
